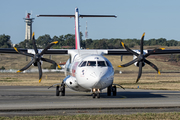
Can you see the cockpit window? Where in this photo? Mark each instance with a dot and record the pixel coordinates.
(108, 63)
(101, 63)
(91, 63)
(83, 64)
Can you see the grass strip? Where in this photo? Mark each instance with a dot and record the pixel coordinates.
(138, 116)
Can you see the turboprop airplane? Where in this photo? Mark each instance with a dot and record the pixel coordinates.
(87, 70)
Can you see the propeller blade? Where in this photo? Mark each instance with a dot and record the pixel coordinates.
(50, 61)
(51, 44)
(26, 67)
(140, 71)
(40, 71)
(131, 51)
(142, 40)
(23, 53)
(152, 65)
(129, 63)
(34, 44)
(153, 51)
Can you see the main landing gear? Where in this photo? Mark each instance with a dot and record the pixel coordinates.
(96, 93)
(112, 89)
(60, 89)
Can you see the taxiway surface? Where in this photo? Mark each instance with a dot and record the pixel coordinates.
(30, 99)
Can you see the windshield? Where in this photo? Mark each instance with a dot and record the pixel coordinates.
(82, 64)
(91, 63)
(101, 63)
(108, 63)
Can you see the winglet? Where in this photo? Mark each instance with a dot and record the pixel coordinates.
(159, 72)
(15, 49)
(122, 44)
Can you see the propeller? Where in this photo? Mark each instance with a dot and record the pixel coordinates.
(37, 57)
(141, 58)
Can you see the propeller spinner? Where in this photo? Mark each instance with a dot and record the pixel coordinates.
(141, 58)
(37, 57)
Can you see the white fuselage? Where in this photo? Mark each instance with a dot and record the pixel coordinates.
(89, 72)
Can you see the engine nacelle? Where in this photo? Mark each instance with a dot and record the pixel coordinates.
(71, 82)
(33, 52)
(137, 63)
(134, 57)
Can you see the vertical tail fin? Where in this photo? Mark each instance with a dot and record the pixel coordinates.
(77, 30)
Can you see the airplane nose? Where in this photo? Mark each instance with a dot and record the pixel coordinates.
(97, 77)
(92, 80)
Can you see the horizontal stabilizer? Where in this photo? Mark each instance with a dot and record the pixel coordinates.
(74, 16)
(55, 15)
(97, 16)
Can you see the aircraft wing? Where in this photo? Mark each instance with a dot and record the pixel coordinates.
(50, 51)
(125, 52)
(102, 51)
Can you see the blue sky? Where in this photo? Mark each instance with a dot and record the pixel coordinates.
(158, 18)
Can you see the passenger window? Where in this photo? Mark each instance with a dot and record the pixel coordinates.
(101, 63)
(83, 64)
(91, 63)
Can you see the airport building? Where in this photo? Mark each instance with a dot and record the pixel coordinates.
(29, 21)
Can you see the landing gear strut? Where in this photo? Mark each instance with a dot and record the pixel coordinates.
(112, 89)
(96, 92)
(60, 89)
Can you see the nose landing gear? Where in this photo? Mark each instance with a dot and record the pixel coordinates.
(96, 92)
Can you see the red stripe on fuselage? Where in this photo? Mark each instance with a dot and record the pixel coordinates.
(76, 42)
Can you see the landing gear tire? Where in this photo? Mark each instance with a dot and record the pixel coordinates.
(94, 95)
(63, 91)
(96, 92)
(114, 90)
(109, 91)
(98, 95)
(57, 90)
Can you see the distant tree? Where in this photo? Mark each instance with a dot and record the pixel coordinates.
(5, 41)
(100, 44)
(61, 41)
(172, 43)
(69, 39)
(88, 43)
(43, 41)
(2, 68)
(25, 44)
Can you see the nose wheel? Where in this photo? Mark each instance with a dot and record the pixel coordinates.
(96, 93)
